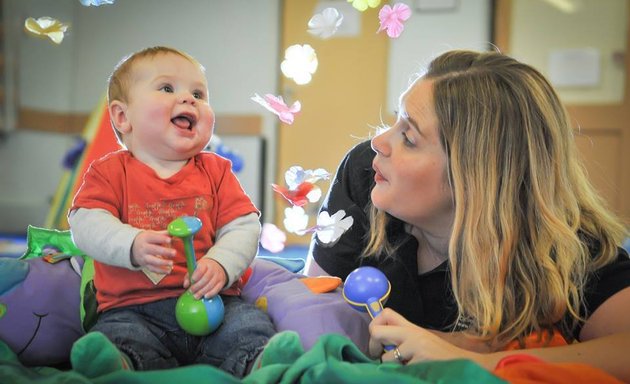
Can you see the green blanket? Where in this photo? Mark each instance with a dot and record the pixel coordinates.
(333, 359)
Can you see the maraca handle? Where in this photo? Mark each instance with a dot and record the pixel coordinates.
(374, 308)
(189, 251)
(185, 228)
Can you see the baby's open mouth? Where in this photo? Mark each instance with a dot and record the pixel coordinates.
(183, 121)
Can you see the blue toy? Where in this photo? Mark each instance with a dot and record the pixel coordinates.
(367, 289)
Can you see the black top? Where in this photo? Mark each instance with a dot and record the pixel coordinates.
(426, 299)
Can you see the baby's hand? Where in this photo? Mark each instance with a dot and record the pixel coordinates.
(208, 279)
(151, 250)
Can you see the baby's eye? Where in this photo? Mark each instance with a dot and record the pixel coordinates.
(166, 88)
(198, 95)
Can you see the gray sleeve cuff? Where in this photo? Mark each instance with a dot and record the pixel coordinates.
(103, 237)
(236, 245)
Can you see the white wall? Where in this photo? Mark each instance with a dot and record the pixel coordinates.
(30, 170)
(596, 26)
(236, 40)
(46, 70)
(429, 33)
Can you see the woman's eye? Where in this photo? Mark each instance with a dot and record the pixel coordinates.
(166, 88)
(406, 140)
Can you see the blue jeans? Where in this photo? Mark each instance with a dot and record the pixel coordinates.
(150, 336)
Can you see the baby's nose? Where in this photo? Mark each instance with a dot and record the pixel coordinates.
(188, 99)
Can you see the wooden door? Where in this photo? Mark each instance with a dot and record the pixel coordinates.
(602, 127)
(341, 103)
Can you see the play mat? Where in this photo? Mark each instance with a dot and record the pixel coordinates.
(47, 303)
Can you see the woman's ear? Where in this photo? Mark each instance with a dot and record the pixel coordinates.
(118, 116)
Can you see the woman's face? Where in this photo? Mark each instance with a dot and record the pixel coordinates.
(410, 165)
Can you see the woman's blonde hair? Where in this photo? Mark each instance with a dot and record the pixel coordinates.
(122, 77)
(528, 225)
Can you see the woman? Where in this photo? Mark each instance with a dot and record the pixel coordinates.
(483, 220)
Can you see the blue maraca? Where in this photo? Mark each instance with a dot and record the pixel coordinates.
(197, 317)
(366, 289)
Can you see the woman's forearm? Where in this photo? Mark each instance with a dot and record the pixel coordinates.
(608, 353)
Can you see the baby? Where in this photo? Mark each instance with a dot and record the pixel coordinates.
(158, 105)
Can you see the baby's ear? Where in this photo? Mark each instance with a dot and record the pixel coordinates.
(118, 116)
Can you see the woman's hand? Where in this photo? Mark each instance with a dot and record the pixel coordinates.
(208, 279)
(414, 343)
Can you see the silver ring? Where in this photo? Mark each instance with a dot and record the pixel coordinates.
(398, 356)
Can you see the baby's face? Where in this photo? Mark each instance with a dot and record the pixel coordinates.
(167, 110)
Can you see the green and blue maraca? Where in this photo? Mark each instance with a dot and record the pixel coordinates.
(197, 317)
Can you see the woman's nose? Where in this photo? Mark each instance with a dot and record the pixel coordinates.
(380, 143)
